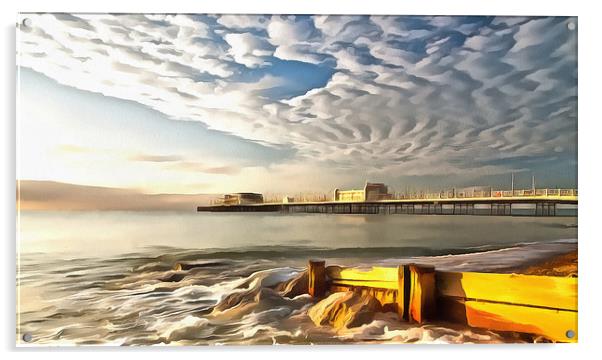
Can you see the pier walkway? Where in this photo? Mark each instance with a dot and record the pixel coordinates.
(542, 202)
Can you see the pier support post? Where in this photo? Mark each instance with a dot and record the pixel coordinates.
(317, 278)
(421, 303)
(545, 209)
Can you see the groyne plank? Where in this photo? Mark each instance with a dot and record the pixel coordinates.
(542, 291)
(366, 283)
(375, 273)
(555, 325)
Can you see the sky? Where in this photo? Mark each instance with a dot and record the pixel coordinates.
(188, 104)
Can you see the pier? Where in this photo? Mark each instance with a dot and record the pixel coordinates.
(540, 202)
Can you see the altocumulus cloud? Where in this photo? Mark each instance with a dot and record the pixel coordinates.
(407, 95)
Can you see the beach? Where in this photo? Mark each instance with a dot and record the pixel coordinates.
(130, 291)
(558, 265)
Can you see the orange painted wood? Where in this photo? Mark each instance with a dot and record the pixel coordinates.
(421, 304)
(543, 291)
(552, 324)
(382, 274)
(541, 305)
(317, 278)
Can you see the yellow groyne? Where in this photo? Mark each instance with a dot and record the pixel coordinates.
(539, 305)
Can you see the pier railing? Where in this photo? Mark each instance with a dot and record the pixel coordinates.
(539, 305)
(493, 194)
(450, 194)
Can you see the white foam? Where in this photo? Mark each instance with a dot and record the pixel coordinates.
(492, 260)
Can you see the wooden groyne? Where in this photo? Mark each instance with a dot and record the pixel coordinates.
(540, 305)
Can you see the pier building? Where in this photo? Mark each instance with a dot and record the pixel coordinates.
(370, 192)
(244, 198)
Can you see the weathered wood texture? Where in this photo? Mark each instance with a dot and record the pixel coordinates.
(552, 324)
(377, 277)
(543, 305)
(421, 306)
(380, 282)
(541, 291)
(403, 291)
(540, 305)
(317, 278)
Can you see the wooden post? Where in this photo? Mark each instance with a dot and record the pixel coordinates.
(422, 293)
(403, 291)
(317, 278)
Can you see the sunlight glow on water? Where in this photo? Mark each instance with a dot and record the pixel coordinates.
(110, 233)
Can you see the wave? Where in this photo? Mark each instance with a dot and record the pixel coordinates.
(214, 255)
(242, 296)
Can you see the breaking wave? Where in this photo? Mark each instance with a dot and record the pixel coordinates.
(213, 297)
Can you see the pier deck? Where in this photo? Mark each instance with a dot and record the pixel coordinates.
(545, 205)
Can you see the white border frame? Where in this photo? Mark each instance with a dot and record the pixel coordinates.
(589, 170)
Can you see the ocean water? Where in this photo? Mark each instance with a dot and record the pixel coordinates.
(109, 278)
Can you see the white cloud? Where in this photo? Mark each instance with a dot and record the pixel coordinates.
(287, 31)
(412, 96)
(240, 22)
(248, 49)
(530, 33)
(296, 39)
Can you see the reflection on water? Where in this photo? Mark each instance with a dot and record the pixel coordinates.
(107, 277)
(110, 233)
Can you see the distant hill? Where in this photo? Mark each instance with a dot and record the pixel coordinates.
(50, 195)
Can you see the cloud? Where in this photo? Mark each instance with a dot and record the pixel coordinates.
(50, 195)
(286, 30)
(195, 166)
(409, 95)
(296, 38)
(180, 163)
(243, 22)
(156, 158)
(248, 49)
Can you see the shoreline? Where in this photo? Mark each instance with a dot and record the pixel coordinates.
(259, 298)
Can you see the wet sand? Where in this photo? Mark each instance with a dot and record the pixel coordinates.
(559, 265)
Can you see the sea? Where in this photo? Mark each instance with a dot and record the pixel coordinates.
(108, 277)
